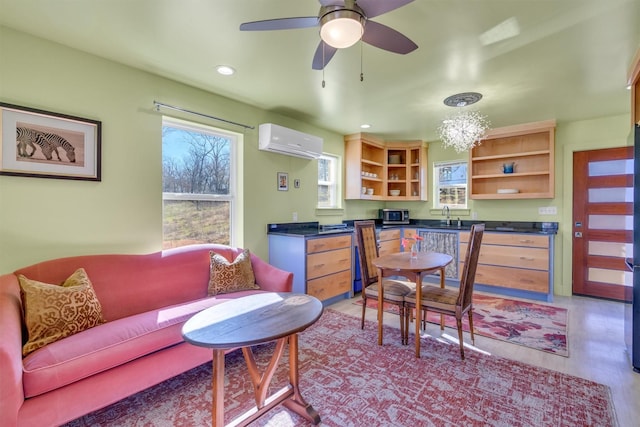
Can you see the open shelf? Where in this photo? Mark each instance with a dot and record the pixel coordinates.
(529, 147)
(385, 167)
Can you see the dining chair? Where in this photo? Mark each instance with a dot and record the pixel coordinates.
(394, 290)
(452, 302)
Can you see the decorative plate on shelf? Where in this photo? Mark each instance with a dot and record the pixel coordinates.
(508, 190)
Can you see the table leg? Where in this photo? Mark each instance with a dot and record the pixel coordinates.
(442, 283)
(217, 385)
(289, 395)
(380, 305)
(296, 403)
(418, 311)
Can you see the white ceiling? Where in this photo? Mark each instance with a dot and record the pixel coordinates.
(569, 62)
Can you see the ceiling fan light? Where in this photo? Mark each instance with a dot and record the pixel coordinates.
(341, 28)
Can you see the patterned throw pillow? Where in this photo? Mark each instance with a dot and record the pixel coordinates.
(53, 312)
(228, 277)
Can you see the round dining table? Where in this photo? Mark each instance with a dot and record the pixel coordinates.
(413, 268)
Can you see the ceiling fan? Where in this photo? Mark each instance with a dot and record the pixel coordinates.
(342, 23)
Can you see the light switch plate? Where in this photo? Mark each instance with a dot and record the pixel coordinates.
(547, 210)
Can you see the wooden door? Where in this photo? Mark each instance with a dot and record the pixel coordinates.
(603, 222)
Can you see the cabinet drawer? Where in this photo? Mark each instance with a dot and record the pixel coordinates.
(323, 263)
(525, 258)
(330, 286)
(328, 243)
(511, 239)
(391, 234)
(389, 247)
(410, 233)
(513, 278)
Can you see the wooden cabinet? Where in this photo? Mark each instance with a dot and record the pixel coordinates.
(529, 147)
(516, 261)
(328, 262)
(389, 241)
(634, 82)
(321, 265)
(409, 233)
(385, 168)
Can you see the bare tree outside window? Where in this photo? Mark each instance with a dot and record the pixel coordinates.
(196, 184)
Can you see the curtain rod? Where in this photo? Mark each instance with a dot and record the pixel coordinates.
(171, 107)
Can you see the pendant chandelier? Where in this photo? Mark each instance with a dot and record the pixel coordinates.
(463, 130)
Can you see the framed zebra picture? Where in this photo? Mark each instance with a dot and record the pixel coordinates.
(42, 144)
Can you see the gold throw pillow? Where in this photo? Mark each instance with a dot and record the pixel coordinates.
(228, 277)
(53, 312)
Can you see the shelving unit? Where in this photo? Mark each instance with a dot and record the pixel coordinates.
(530, 147)
(372, 163)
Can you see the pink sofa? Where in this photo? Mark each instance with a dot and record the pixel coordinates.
(145, 299)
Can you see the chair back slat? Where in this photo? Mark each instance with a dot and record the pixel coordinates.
(468, 276)
(367, 250)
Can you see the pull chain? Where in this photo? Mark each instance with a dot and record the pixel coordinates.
(323, 65)
(361, 56)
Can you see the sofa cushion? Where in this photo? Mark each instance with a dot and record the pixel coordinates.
(233, 276)
(109, 345)
(53, 312)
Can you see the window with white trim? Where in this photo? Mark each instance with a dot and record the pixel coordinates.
(198, 183)
(450, 184)
(328, 167)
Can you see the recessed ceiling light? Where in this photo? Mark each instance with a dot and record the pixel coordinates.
(365, 126)
(225, 70)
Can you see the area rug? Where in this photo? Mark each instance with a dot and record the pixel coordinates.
(538, 326)
(353, 382)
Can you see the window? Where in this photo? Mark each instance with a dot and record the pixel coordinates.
(198, 184)
(328, 167)
(450, 180)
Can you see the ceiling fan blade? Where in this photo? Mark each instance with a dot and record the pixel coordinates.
(280, 24)
(373, 8)
(320, 60)
(387, 38)
(325, 3)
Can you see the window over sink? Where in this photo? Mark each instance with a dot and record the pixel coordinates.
(450, 184)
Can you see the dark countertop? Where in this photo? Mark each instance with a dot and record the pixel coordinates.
(310, 229)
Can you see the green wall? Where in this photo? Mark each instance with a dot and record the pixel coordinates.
(46, 218)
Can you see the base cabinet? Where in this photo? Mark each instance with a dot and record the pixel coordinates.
(389, 241)
(321, 266)
(515, 261)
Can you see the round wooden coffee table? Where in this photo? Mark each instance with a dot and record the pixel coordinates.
(251, 320)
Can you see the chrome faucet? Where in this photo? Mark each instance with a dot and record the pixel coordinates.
(447, 213)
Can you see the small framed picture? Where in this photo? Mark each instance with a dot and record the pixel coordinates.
(42, 144)
(283, 181)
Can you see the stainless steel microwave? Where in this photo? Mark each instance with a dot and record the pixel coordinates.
(394, 216)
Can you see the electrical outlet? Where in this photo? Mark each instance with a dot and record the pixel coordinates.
(295, 217)
(474, 215)
(547, 210)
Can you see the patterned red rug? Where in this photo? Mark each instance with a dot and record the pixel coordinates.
(537, 326)
(351, 381)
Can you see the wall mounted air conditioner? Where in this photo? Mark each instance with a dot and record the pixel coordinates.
(278, 139)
